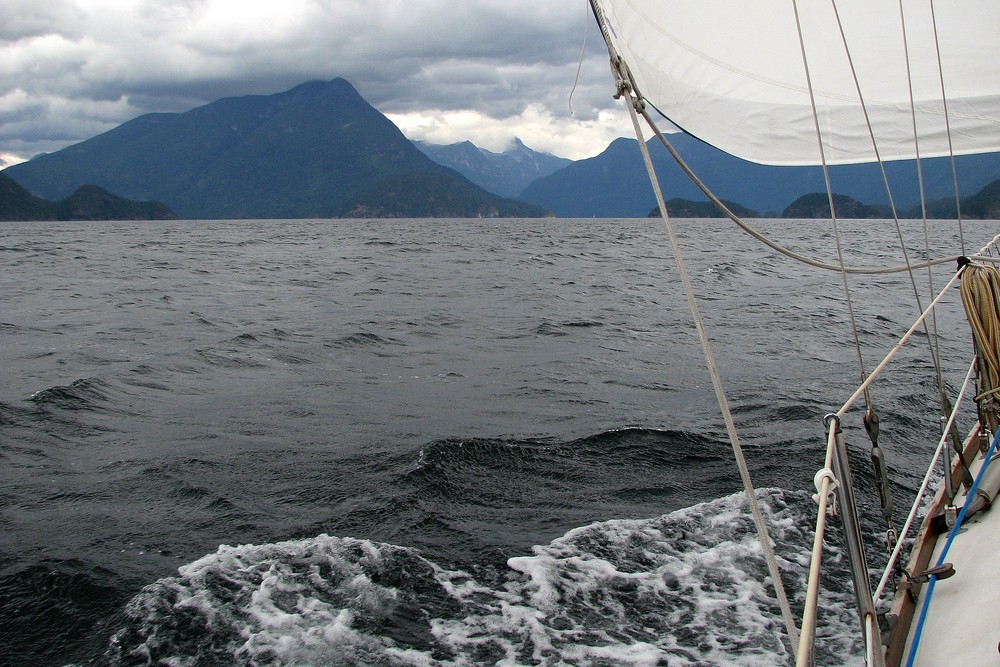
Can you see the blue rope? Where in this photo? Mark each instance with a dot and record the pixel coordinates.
(915, 644)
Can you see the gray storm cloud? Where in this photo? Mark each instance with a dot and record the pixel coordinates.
(69, 70)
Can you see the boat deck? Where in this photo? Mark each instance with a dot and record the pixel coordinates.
(963, 620)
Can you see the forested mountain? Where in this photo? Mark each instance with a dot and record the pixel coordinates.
(320, 150)
(317, 150)
(89, 202)
(615, 184)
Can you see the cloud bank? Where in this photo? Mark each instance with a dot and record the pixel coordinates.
(444, 71)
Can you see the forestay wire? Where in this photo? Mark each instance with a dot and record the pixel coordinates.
(741, 463)
(634, 103)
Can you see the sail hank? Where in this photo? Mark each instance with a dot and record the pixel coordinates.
(732, 74)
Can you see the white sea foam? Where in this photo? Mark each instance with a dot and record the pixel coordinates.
(688, 588)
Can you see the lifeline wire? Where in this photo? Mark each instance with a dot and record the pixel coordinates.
(921, 490)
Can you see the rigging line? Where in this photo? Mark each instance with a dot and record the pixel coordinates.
(871, 131)
(773, 245)
(619, 69)
(579, 65)
(916, 152)
(933, 339)
(862, 587)
(892, 204)
(739, 222)
(720, 393)
(878, 157)
(947, 128)
(913, 116)
(833, 212)
(909, 333)
(742, 224)
(921, 490)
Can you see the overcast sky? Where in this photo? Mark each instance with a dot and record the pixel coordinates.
(442, 70)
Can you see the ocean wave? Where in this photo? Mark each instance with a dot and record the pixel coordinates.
(526, 472)
(361, 339)
(81, 394)
(313, 601)
(228, 359)
(686, 588)
(548, 328)
(15, 415)
(47, 598)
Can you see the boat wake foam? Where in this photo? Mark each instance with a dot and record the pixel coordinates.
(686, 588)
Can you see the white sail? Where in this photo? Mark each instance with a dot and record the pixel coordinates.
(731, 73)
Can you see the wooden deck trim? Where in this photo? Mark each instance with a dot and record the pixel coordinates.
(905, 603)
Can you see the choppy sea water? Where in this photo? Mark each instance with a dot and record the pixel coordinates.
(426, 442)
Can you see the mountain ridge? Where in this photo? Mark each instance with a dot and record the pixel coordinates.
(320, 150)
(506, 174)
(316, 150)
(614, 183)
(88, 202)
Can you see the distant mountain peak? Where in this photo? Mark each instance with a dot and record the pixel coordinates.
(338, 86)
(506, 174)
(317, 150)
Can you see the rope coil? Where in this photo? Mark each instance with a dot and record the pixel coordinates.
(981, 298)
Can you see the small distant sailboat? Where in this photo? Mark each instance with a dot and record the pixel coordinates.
(783, 82)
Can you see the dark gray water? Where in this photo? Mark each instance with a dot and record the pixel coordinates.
(440, 442)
